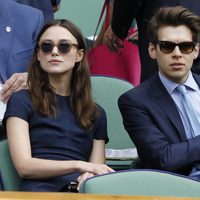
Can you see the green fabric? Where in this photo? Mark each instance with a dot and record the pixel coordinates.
(106, 91)
(141, 182)
(11, 180)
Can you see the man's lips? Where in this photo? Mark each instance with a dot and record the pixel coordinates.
(177, 65)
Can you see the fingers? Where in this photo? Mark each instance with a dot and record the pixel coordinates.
(97, 169)
(111, 40)
(94, 168)
(101, 169)
(112, 45)
(91, 169)
(83, 177)
(16, 82)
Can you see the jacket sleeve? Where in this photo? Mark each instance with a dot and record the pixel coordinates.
(124, 11)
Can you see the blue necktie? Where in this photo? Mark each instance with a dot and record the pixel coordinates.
(194, 123)
(189, 110)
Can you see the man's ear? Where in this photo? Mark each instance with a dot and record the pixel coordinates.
(79, 55)
(196, 51)
(152, 51)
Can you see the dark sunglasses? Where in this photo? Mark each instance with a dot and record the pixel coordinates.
(63, 46)
(168, 47)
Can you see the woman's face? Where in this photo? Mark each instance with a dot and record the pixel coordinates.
(58, 51)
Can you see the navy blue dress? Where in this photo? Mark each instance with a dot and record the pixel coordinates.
(59, 138)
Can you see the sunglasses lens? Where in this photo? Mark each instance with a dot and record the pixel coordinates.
(46, 47)
(186, 47)
(167, 47)
(64, 47)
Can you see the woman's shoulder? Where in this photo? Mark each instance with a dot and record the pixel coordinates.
(101, 111)
(22, 93)
(20, 96)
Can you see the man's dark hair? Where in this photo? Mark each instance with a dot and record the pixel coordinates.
(174, 16)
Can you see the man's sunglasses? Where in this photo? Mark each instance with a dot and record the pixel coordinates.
(168, 47)
(63, 46)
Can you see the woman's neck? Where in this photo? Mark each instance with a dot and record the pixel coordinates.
(61, 85)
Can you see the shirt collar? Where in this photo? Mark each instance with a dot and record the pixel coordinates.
(170, 85)
(191, 83)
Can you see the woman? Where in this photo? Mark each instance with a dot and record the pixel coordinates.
(56, 133)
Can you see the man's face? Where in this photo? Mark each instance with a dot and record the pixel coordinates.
(174, 65)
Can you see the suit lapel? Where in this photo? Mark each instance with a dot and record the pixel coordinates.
(164, 100)
(197, 78)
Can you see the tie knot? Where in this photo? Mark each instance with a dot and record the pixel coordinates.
(181, 89)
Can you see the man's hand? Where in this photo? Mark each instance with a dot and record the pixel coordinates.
(111, 40)
(16, 82)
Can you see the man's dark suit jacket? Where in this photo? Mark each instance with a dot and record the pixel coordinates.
(142, 10)
(45, 6)
(152, 121)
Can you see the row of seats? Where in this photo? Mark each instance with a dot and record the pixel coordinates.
(106, 91)
(125, 182)
(142, 183)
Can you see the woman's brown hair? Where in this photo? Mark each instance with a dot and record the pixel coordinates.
(42, 93)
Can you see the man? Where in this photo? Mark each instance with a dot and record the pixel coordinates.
(48, 7)
(153, 113)
(124, 11)
(19, 27)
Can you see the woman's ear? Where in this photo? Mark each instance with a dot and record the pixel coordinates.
(79, 55)
(152, 51)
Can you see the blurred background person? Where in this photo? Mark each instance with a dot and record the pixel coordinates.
(48, 7)
(125, 11)
(19, 28)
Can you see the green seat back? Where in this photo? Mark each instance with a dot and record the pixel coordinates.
(106, 91)
(10, 178)
(142, 183)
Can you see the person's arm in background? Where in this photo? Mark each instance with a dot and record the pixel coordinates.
(100, 36)
(123, 15)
